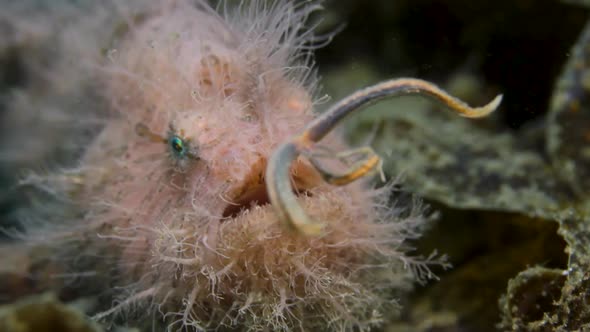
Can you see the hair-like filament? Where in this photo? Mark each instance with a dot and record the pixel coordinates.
(278, 182)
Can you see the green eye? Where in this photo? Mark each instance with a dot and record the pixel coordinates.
(178, 146)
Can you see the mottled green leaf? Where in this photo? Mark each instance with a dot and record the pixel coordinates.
(457, 161)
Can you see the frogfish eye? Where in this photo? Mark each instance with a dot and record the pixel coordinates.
(178, 146)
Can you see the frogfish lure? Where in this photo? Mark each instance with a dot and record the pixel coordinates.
(277, 180)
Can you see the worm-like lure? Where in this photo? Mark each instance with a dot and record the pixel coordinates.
(278, 181)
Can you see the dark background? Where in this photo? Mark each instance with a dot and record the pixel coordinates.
(516, 47)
